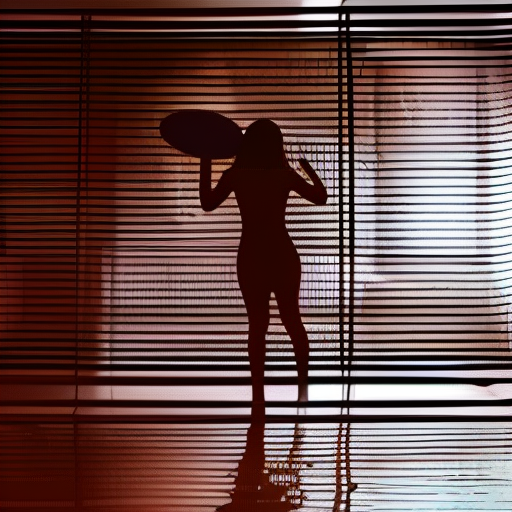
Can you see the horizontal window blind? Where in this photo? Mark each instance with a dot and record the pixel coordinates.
(141, 282)
(427, 188)
(41, 169)
(117, 288)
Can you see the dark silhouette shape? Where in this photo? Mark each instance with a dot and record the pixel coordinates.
(201, 133)
(266, 487)
(262, 180)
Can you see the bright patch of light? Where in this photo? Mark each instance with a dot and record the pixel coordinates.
(325, 3)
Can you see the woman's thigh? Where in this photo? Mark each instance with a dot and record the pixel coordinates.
(255, 287)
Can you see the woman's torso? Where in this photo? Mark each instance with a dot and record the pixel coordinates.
(262, 198)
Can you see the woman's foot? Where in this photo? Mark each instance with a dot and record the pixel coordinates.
(303, 393)
(302, 400)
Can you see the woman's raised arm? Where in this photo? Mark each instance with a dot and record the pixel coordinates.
(211, 199)
(316, 192)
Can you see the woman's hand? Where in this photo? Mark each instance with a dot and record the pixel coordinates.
(316, 193)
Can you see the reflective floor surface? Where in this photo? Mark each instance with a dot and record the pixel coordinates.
(266, 465)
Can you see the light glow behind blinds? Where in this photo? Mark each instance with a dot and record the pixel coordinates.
(431, 151)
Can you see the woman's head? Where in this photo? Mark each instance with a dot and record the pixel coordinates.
(262, 147)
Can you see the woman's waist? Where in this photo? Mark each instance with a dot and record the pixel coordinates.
(258, 228)
(267, 242)
(261, 235)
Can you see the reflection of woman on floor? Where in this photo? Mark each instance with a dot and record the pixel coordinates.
(266, 489)
(262, 179)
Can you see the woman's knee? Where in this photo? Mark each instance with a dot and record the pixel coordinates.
(292, 320)
(258, 324)
(296, 330)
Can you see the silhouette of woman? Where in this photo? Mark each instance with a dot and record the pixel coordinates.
(262, 180)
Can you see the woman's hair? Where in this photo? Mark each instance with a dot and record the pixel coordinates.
(262, 147)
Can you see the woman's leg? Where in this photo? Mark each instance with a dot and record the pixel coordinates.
(287, 297)
(259, 316)
(290, 316)
(256, 298)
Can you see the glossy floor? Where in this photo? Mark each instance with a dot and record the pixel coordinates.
(75, 465)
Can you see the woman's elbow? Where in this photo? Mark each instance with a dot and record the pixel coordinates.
(322, 198)
(206, 202)
(207, 206)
